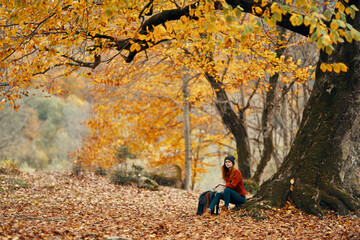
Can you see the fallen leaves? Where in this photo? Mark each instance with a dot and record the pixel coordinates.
(57, 205)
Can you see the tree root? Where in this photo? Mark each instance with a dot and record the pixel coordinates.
(313, 200)
(306, 197)
(339, 200)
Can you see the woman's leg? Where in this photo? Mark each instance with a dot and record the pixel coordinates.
(231, 196)
(215, 200)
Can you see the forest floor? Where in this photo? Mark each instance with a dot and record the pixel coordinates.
(54, 205)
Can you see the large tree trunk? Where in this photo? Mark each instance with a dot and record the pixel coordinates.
(324, 160)
(234, 123)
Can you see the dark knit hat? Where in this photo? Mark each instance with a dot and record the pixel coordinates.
(231, 158)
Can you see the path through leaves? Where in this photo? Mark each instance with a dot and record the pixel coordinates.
(59, 206)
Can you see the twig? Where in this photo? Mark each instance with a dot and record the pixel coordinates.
(251, 96)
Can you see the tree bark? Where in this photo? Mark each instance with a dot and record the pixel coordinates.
(324, 160)
(187, 134)
(234, 123)
(267, 128)
(285, 123)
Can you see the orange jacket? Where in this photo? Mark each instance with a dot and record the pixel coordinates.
(236, 182)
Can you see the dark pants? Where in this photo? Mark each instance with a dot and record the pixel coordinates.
(229, 196)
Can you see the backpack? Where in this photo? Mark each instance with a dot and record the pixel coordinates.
(204, 202)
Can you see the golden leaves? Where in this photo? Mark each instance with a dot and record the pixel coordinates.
(296, 19)
(336, 67)
(135, 47)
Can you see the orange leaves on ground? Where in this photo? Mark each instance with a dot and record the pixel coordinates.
(57, 205)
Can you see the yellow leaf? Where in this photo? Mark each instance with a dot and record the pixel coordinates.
(183, 19)
(258, 10)
(343, 67)
(337, 15)
(323, 67)
(306, 21)
(329, 67)
(299, 20)
(159, 32)
(334, 25)
(348, 36)
(340, 6)
(292, 181)
(275, 8)
(355, 34)
(296, 20)
(336, 68)
(135, 47)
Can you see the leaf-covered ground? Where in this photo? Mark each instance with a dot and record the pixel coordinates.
(60, 206)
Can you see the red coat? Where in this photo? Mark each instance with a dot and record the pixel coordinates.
(236, 182)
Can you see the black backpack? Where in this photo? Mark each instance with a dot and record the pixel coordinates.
(204, 202)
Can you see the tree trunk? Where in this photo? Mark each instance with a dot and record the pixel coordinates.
(235, 124)
(267, 115)
(284, 120)
(267, 128)
(324, 160)
(187, 134)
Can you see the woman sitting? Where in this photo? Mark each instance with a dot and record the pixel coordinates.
(234, 191)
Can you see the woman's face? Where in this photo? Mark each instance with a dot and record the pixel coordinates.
(228, 164)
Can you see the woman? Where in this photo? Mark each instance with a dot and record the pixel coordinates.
(234, 187)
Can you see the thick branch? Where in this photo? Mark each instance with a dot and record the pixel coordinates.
(247, 6)
(176, 14)
(79, 63)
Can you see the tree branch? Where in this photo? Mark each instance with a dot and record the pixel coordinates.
(251, 96)
(79, 63)
(33, 32)
(176, 14)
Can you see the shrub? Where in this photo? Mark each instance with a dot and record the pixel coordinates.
(78, 170)
(121, 178)
(7, 167)
(251, 186)
(100, 171)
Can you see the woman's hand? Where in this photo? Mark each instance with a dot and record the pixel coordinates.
(219, 184)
